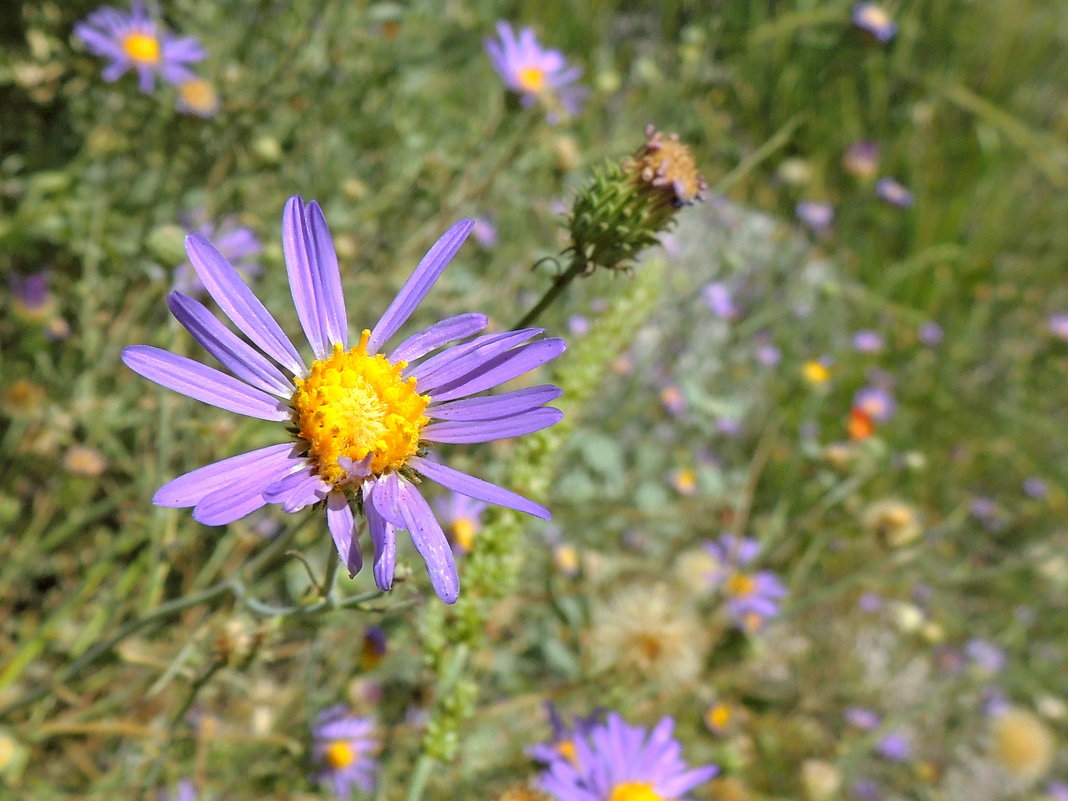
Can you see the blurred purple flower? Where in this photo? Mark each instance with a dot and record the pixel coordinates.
(134, 40)
(876, 402)
(185, 791)
(873, 19)
(752, 597)
(1057, 791)
(1035, 487)
(535, 73)
(484, 232)
(870, 602)
(562, 741)
(867, 341)
(894, 746)
(615, 760)
(343, 744)
(578, 325)
(984, 655)
(462, 517)
(672, 398)
(894, 193)
(238, 244)
(1058, 325)
(861, 160)
(866, 790)
(862, 718)
(930, 333)
(717, 297)
(816, 216)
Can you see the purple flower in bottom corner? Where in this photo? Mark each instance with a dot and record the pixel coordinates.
(752, 596)
(615, 761)
(536, 73)
(237, 243)
(562, 741)
(135, 40)
(358, 423)
(342, 745)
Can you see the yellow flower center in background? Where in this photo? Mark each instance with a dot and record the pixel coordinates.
(142, 47)
(739, 585)
(567, 750)
(816, 372)
(635, 791)
(718, 717)
(199, 95)
(532, 79)
(463, 532)
(339, 754)
(353, 404)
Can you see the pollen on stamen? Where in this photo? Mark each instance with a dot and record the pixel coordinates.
(356, 409)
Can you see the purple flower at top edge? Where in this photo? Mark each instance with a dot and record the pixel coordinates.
(894, 193)
(1058, 325)
(868, 341)
(876, 402)
(816, 216)
(873, 19)
(185, 791)
(752, 597)
(537, 74)
(717, 297)
(894, 746)
(342, 745)
(930, 334)
(134, 40)
(861, 159)
(368, 441)
(237, 243)
(617, 760)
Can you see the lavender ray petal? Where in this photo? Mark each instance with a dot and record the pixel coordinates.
(384, 543)
(472, 487)
(450, 365)
(304, 277)
(280, 489)
(202, 383)
(469, 431)
(490, 407)
(385, 498)
(188, 489)
(502, 368)
(234, 501)
(418, 284)
(239, 303)
(332, 300)
(340, 521)
(311, 490)
(683, 783)
(233, 353)
(430, 542)
(440, 333)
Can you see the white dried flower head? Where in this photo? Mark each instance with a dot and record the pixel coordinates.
(1021, 744)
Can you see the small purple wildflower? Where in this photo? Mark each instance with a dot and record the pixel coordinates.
(562, 741)
(374, 646)
(673, 399)
(930, 334)
(873, 19)
(862, 718)
(237, 243)
(1058, 325)
(1035, 487)
(870, 602)
(894, 746)
(343, 745)
(995, 701)
(816, 216)
(752, 597)
(617, 760)
(866, 790)
(538, 75)
(1057, 791)
(578, 325)
(463, 519)
(717, 297)
(867, 341)
(135, 40)
(32, 296)
(484, 232)
(185, 791)
(876, 402)
(861, 160)
(986, 656)
(894, 193)
(767, 353)
(333, 456)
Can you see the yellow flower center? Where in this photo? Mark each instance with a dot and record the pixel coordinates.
(567, 750)
(740, 585)
(353, 404)
(199, 95)
(816, 372)
(667, 164)
(142, 47)
(532, 79)
(339, 754)
(463, 532)
(635, 791)
(718, 716)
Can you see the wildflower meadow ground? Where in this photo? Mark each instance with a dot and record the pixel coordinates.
(612, 401)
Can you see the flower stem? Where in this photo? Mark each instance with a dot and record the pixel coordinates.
(560, 283)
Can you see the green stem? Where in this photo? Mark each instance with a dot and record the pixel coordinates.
(425, 764)
(560, 283)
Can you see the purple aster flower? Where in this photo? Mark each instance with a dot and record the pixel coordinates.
(894, 746)
(867, 341)
(343, 745)
(237, 243)
(816, 216)
(1035, 487)
(752, 597)
(717, 297)
(930, 334)
(562, 741)
(876, 402)
(135, 40)
(185, 791)
(537, 74)
(1058, 325)
(463, 519)
(861, 160)
(986, 656)
(862, 718)
(374, 646)
(32, 296)
(616, 760)
(362, 420)
(894, 193)
(873, 20)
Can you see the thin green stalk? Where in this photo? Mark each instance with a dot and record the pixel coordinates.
(560, 283)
